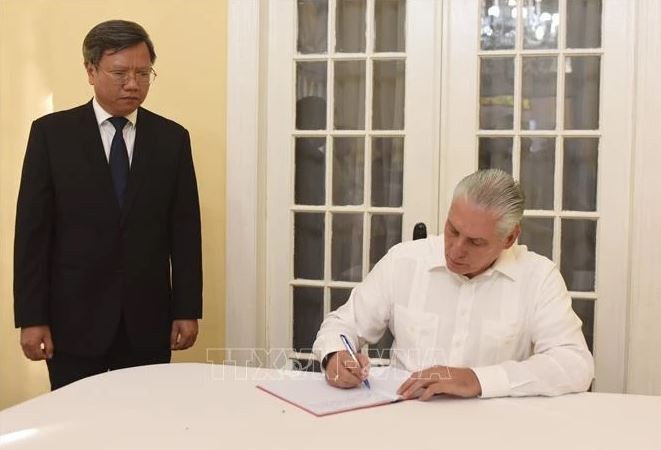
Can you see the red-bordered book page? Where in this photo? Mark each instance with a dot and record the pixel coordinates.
(310, 391)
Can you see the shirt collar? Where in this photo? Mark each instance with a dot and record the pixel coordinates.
(505, 263)
(102, 115)
(436, 256)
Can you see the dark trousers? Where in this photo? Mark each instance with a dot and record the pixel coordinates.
(64, 368)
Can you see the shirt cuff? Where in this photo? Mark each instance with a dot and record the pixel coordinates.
(325, 345)
(493, 380)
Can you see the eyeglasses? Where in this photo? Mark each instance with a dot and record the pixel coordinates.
(121, 77)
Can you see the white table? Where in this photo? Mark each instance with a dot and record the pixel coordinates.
(200, 406)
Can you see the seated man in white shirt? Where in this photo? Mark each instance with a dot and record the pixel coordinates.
(472, 314)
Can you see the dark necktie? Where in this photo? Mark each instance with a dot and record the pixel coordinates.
(119, 159)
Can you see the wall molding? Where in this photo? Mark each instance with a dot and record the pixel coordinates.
(644, 343)
(243, 98)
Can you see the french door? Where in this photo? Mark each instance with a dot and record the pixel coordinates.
(353, 134)
(535, 87)
(374, 109)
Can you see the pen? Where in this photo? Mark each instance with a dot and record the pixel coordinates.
(347, 345)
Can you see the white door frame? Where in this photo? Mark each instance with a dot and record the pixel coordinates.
(643, 363)
(244, 318)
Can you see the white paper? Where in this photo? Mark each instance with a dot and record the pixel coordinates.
(311, 392)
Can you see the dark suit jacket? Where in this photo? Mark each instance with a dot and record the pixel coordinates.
(80, 262)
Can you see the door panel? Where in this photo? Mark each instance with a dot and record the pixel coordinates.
(355, 133)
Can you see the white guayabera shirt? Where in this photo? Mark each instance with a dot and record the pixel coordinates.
(513, 324)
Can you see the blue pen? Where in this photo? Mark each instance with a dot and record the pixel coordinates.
(347, 345)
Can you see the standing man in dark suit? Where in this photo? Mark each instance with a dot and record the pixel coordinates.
(107, 255)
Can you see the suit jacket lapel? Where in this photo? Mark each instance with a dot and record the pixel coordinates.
(142, 153)
(92, 147)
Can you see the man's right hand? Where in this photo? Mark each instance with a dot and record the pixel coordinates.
(36, 342)
(343, 372)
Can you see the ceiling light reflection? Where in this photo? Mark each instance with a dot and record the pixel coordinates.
(15, 436)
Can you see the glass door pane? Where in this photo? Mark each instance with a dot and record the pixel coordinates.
(311, 95)
(389, 25)
(350, 26)
(496, 93)
(349, 95)
(541, 21)
(312, 26)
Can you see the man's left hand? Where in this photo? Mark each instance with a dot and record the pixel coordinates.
(183, 334)
(455, 381)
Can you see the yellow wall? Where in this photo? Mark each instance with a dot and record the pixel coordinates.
(41, 71)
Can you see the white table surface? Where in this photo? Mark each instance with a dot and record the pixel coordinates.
(202, 406)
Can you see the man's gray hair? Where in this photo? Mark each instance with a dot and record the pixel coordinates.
(114, 35)
(494, 190)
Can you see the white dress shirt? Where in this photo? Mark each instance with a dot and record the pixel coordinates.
(513, 324)
(108, 130)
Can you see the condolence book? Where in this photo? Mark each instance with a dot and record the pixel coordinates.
(310, 391)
